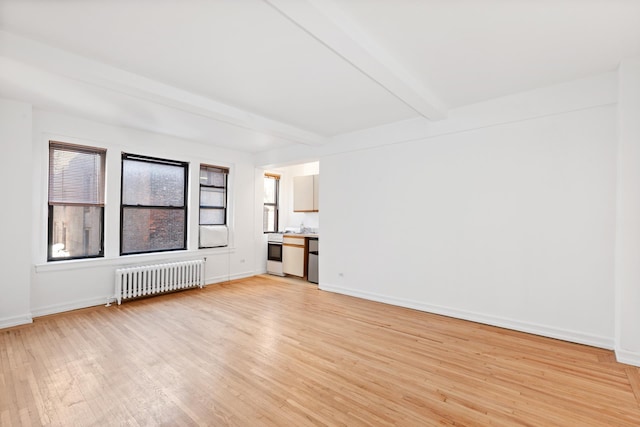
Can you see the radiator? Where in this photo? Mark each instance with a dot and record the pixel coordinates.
(133, 282)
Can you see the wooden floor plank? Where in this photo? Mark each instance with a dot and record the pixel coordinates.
(266, 351)
(633, 374)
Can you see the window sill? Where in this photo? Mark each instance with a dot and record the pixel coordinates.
(126, 260)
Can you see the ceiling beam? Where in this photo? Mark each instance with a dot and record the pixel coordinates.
(325, 22)
(85, 70)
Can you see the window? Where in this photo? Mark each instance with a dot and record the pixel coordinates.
(76, 201)
(270, 211)
(153, 212)
(213, 206)
(213, 195)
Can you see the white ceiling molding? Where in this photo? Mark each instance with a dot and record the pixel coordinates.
(104, 76)
(326, 23)
(565, 98)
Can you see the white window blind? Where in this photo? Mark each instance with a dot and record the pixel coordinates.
(76, 175)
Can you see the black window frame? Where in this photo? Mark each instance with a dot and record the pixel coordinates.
(225, 187)
(123, 206)
(276, 204)
(63, 146)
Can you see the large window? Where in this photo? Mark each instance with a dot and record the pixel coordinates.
(76, 201)
(153, 216)
(270, 211)
(213, 206)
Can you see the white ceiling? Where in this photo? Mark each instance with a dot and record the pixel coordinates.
(256, 75)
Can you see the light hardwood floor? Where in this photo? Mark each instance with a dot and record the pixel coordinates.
(265, 351)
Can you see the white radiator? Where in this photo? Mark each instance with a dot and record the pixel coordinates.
(132, 282)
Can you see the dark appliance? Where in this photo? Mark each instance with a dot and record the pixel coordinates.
(312, 263)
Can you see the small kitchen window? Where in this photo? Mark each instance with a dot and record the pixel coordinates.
(270, 211)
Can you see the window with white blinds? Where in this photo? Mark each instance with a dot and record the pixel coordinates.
(76, 201)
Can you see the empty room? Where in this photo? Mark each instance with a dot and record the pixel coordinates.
(320, 212)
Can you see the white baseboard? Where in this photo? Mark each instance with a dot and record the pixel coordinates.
(628, 357)
(8, 322)
(517, 325)
(91, 302)
(227, 277)
(74, 305)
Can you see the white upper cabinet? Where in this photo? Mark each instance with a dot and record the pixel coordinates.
(316, 191)
(305, 193)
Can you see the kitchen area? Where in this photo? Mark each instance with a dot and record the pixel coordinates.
(291, 221)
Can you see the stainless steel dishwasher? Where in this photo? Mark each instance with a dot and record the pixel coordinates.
(312, 263)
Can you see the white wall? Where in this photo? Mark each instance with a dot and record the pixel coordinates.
(64, 285)
(509, 222)
(260, 240)
(503, 213)
(15, 227)
(628, 226)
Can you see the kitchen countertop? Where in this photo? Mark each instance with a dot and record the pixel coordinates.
(313, 235)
